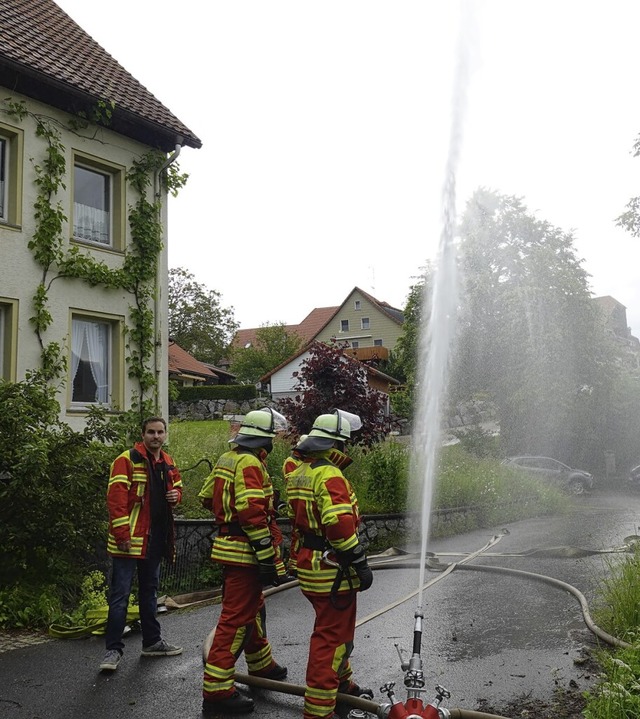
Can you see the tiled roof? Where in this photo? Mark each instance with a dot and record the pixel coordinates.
(306, 330)
(46, 55)
(182, 362)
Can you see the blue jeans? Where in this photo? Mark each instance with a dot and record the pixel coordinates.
(122, 573)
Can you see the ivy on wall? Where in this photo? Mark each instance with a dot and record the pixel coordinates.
(137, 276)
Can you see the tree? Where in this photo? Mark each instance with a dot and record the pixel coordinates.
(528, 336)
(273, 345)
(197, 321)
(327, 380)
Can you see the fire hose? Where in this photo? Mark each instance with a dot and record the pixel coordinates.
(414, 673)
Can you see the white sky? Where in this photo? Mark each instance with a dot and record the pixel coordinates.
(325, 130)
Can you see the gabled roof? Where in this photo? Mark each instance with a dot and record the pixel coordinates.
(306, 330)
(46, 55)
(181, 362)
(392, 313)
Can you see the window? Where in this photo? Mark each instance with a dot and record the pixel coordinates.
(11, 143)
(8, 338)
(356, 305)
(97, 203)
(364, 323)
(96, 351)
(377, 343)
(355, 345)
(344, 325)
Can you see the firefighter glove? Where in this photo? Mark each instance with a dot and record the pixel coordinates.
(365, 575)
(351, 557)
(268, 574)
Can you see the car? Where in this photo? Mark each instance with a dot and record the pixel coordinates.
(634, 478)
(574, 481)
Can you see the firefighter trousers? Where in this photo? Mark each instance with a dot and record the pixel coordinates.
(331, 644)
(241, 627)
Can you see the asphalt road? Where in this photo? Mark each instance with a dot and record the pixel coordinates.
(486, 637)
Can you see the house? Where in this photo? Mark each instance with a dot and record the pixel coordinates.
(361, 322)
(84, 149)
(613, 317)
(282, 380)
(185, 370)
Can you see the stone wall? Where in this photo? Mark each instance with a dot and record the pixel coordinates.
(201, 409)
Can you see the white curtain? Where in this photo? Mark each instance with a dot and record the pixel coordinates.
(96, 337)
(90, 223)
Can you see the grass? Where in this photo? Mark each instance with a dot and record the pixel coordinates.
(381, 477)
(617, 694)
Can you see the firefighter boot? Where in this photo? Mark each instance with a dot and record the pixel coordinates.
(235, 704)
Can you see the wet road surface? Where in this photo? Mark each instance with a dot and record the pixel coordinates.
(486, 636)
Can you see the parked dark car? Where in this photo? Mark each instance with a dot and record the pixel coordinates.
(634, 478)
(574, 481)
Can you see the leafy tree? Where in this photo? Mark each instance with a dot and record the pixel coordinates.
(528, 334)
(273, 345)
(327, 380)
(197, 321)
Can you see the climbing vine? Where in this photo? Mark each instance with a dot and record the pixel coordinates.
(137, 275)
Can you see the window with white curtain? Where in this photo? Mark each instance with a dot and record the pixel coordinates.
(90, 365)
(92, 205)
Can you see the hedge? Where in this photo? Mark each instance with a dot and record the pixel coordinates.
(238, 392)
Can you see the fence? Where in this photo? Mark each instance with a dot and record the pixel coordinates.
(193, 570)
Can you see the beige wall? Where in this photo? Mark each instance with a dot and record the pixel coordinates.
(20, 275)
(380, 326)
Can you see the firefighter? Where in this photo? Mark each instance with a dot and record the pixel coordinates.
(331, 563)
(238, 492)
(293, 461)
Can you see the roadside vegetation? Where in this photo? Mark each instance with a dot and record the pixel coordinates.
(617, 694)
(381, 478)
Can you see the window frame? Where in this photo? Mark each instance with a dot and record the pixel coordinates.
(344, 325)
(357, 305)
(116, 184)
(378, 343)
(8, 338)
(365, 323)
(115, 356)
(13, 163)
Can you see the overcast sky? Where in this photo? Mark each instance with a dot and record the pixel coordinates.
(325, 130)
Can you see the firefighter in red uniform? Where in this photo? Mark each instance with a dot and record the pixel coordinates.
(238, 492)
(292, 462)
(332, 565)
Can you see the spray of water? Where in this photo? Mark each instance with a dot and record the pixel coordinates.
(439, 306)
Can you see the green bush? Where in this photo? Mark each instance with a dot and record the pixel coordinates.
(53, 483)
(238, 392)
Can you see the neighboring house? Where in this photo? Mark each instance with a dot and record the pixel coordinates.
(221, 374)
(613, 315)
(360, 322)
(282, 380)
(57, 74)
(185, 370)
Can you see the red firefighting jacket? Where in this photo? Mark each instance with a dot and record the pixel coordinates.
(240, 494)
(323, 505)
(128, 501)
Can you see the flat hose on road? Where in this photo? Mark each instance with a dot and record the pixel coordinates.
(367, 705)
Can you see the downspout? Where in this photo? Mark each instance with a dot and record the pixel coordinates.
(156, 301)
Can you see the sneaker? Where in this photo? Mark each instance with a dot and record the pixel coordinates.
(111, 660)
(235, 704)
(276, 673)
(161, 649)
